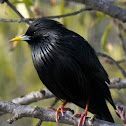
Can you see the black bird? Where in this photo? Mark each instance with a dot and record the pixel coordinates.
(68, 66)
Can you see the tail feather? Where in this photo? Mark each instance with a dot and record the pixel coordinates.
(99, 107)
(107, 116)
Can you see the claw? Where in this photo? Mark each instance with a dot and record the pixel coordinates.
(82, 116)
(61, 108)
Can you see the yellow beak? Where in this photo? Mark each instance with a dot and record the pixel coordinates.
(19, 38)
(16, 39)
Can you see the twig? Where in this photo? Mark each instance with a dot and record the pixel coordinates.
(33, 19)
(119, 67)
(21, 111)
(121, 60)
(117, 83)
(98, 5)
(118, 61)
(15, 10)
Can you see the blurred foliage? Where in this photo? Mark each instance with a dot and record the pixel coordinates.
(17, 74)
(104, 37)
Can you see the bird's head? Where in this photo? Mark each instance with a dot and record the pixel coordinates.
(41, 30)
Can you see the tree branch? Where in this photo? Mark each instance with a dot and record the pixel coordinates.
(105, 7)
(33, 97)
(117, 83)
(21, 111)
(33, 19)
(97, 5)
(122, 60)
(110, 58)
(15, 10)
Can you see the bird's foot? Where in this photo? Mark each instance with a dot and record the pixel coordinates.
(61, 108)
(82, 116)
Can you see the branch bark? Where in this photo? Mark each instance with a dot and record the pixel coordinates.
(33, 97)
(21, 111)
(98, 5)
(56, 16)
(114, 62)
(116, 83)
(15, 10)
(105, 7)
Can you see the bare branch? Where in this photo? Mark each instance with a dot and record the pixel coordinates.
(33, 97)
(110, 58)
(21, 111)
(15, 10)
(33, 19)
(117, 83)
(105, 7)
(98, 5)
(122, 60)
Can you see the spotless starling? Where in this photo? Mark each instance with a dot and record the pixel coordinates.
(68, 66)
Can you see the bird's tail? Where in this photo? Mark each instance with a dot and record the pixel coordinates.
(107, 116)
(100, 109)
(112, 103)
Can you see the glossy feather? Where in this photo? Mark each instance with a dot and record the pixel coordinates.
(68, 66)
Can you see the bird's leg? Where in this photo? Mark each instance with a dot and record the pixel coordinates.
(61, 108)
(83, 116)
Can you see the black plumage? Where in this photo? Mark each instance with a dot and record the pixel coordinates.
(68, 66)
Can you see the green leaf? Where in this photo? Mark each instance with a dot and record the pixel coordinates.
(100, 15)
(104, 37)
(28, 2)
(120, 2)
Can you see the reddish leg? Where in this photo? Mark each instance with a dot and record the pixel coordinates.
(83, 116)
(61, 108)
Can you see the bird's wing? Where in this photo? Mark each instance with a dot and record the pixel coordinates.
(80, 64)
(72, 64)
